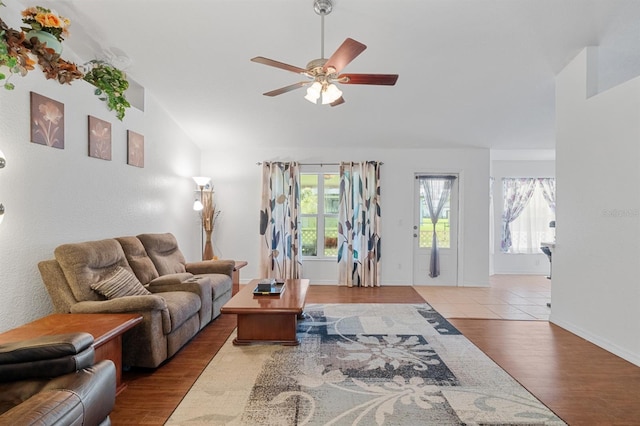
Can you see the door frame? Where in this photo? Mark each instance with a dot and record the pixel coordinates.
(460, 221)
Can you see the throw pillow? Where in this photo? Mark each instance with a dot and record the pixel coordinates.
(120, 283)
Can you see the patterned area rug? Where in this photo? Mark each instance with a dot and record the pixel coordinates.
(361, 364)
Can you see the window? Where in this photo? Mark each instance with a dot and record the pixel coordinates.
(319, 202)
(531, 226)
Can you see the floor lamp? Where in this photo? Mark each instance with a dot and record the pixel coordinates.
(202, 183)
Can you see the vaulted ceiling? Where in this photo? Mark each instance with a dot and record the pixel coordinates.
(473, 73)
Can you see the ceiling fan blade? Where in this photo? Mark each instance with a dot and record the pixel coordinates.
(346, 53)
(286, 89)
(379, 79)
(281, 65)
(337, 102)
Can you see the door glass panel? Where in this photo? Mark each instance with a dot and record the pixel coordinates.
(442, 227)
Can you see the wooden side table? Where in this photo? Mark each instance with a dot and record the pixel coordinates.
(106, 329)
(236, 275)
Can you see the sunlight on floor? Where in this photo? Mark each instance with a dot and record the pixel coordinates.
(514, 297)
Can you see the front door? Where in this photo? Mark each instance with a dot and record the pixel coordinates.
(446, 231)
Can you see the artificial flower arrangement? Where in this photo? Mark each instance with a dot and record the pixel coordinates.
(18, 49)
(41, 19)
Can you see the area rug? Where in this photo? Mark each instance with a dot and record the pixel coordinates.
(361, 364)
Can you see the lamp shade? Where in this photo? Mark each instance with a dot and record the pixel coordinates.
(331, 94)
(313, 92)
(197, 205)
(201, 180)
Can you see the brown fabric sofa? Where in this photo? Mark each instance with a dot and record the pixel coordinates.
(163, 251)
(146, 272)
(53, 380)
(178, 305)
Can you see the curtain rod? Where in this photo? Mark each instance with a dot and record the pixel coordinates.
(436, 177)
(310, 164)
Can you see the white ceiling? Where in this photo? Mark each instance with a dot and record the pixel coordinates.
(474, 73)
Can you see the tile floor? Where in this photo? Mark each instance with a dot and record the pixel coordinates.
(513, 297)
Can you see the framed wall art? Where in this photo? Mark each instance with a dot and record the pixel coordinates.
(135, 149)
(47, 121)
(99, 138)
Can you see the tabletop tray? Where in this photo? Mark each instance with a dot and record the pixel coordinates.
(276, 290)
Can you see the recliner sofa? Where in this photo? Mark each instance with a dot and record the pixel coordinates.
(175, 304)
(164, 253)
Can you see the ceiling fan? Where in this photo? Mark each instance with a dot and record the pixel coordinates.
(323, 73)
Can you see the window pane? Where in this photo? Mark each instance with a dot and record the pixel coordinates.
(330, 236)
(309, 194)
(309, 226)
(331, 193)
(442, 227)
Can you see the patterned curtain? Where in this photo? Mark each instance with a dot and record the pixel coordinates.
(359, 224)
(281, 248)
(436, 189)
(549, 191)
(517, 192)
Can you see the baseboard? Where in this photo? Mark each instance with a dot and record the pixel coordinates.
(326, 282)
(596, 340)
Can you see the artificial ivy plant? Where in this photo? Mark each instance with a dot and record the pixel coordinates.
(111, 83)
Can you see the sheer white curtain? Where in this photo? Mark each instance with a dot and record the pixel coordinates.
(359, 225)
(531, 227)
(491, 217)
(516, 192)
(436, 193)
(549, 191)
(281, 248)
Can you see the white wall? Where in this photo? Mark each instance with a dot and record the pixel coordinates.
(596, 293)
(55, 196)
(503, 263)
(237, 181)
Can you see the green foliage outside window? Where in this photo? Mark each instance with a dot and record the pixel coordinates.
(312, 218)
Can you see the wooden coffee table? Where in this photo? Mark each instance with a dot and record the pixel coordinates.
(268, 318)
(106, 329)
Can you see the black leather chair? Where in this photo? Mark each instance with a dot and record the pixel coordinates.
(53, 380)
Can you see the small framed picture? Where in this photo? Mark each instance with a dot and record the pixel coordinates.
(47, 121)
(135, 149)
(99, 138)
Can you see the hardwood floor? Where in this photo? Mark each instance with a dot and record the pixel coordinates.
(580, 382)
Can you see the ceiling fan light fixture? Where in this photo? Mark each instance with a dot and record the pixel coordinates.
(331, 94)
(313, 92)
(323, 72)
(311, 97)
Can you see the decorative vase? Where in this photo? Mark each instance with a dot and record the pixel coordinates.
(208, 247)
(44, 37)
